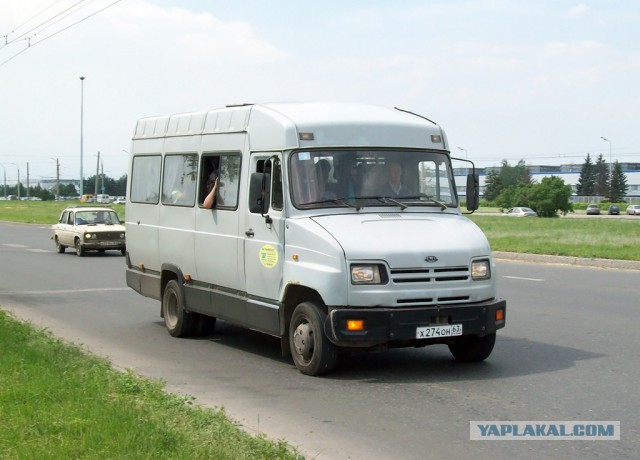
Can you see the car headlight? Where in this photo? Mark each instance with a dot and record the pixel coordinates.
(480, 270)
(368, 274)
(121, 235)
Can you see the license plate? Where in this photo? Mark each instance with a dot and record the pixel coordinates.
(435, 332)
(109, 243)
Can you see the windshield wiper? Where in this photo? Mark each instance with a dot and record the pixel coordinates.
(423, 197)
(340, 201)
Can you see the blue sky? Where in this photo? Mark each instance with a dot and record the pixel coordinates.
(540, 81)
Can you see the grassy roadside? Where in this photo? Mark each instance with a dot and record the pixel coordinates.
(590, 238)
(56, 401)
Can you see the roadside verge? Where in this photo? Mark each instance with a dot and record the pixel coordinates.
(565, 260)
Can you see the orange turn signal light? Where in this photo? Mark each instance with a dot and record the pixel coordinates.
(499, 315)
(355, 325)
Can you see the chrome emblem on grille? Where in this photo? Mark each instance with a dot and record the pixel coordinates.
(431, 259)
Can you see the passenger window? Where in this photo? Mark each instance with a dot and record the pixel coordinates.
(227, 169)
(179, 180)
(145, 179)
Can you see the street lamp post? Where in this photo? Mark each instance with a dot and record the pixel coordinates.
(81, 132)
(466, 157)
(610, 163)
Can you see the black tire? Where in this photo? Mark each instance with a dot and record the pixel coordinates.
(80, 252)
(312, 352)
(179, 323)
(204, 325)
(123, 252)
(60, 247)
(472, 348)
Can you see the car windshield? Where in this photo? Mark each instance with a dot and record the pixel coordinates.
(358, 178)
(96, 217)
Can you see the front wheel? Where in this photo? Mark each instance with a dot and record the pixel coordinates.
(179, 323)
(59, 247)
(79, 248)
(312, 352)
(471, 349)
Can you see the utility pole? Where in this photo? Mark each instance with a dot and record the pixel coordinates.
(97, 176)
(57, 178)
(81, 133)
(5, 181)
(27, 179)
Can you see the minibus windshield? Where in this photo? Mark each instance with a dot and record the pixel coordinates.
(358, 178)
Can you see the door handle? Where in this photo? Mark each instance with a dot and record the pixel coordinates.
(249, 233)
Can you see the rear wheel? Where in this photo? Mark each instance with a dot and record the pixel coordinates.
(79, 248)
(472, 348)
(59, 247)
(312, 352)
(179, 323)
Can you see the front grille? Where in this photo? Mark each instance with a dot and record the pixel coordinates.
(109, 236)
(430, 278)
(429, 275)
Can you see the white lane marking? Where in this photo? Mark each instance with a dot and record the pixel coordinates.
(39, 250)
(15, 245)
(61, 291)
(521, 278)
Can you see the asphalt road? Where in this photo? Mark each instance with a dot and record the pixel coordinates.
(569, 352)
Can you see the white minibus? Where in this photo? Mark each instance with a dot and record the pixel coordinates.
(334, 226)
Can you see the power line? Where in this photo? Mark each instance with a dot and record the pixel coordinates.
(8, 42)
(30, 45)
(26, 22)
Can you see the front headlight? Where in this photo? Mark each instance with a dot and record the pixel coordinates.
(480, 270)
(368, 274)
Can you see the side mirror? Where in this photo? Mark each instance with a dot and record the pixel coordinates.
(473, 192)
(259, 194)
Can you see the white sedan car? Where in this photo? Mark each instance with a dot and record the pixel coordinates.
(521, 212)
(89, 229)
(633, 210)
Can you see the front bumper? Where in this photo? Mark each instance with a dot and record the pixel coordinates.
(96, 245)
(396, 327)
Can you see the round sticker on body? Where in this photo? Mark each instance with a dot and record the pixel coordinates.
(268, 256)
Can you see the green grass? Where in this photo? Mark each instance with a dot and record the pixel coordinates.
(57, 401)
(591, 238)
(43, 212)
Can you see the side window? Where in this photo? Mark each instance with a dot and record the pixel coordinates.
(277, 199)
(64, 217)
(226, 168)
(179, 179)
(273, 168)
(145, 179)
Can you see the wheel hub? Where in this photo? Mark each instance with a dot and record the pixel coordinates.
(303, 339)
